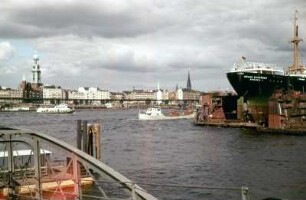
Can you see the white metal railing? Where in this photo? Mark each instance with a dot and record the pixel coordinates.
(243, 66)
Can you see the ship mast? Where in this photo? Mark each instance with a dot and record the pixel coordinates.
(296, 68)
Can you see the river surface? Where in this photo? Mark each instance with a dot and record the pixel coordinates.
(177, 152)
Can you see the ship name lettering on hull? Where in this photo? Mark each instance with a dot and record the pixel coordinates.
(255, 78)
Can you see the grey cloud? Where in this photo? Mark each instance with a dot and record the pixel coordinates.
(103, 42)
(81, 18)
(6, 51)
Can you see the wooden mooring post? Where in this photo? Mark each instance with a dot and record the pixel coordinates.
(97, 132)
(88, 138)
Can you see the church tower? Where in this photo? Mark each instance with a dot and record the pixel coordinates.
(189, 82)
(36, 73)
(159, 95)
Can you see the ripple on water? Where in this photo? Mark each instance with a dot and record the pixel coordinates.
(176, 152)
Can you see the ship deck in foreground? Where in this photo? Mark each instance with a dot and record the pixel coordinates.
(37, 166)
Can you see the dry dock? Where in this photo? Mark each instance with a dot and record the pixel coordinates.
(282, 113)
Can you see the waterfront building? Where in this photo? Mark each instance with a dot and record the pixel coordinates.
(117, 96)
(11, 95)
(179, 94)
(141, 95)
(90, 95)
(17, 94)
(186, 96)
(30, 93)
(104, 94)
(52, 94)
(117, 99)
(89, 92)
(93, 93)
(191, 94)
(161, 96)
(75, 96)
(172, 97)
(165, 95)
(5, 93)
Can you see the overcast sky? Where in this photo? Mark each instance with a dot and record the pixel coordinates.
(121, 44)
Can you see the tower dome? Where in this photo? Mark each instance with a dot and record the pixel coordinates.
(35, 56)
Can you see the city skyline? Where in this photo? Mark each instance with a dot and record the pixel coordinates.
(36, 80)
(119, 45)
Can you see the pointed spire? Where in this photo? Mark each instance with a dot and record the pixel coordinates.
(23, 77)
(188, 82)
(158, 86)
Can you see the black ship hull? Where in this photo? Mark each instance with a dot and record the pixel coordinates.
(252, 85)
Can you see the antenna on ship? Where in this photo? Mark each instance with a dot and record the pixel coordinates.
(243, 59)
(296, 67)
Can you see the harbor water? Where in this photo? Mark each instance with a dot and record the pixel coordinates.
(160, 154)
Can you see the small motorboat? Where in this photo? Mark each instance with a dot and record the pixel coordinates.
(155, 113)
(58, 109)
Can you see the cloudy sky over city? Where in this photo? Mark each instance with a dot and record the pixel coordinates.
(125, 44)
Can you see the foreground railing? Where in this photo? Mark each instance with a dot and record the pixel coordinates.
(37, 166)
(80, 173)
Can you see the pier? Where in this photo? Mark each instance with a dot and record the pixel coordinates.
(229, 124)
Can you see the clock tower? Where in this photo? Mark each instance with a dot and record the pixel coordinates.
(36, 73)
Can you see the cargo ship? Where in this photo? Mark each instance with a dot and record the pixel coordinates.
(253, 79)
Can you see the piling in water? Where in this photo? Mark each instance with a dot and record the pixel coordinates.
(88, 138)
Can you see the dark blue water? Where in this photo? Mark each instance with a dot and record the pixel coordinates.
(177, 152)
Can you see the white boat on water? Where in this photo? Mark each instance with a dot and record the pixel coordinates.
(58, 109)
(156, 114)
(17, 109)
